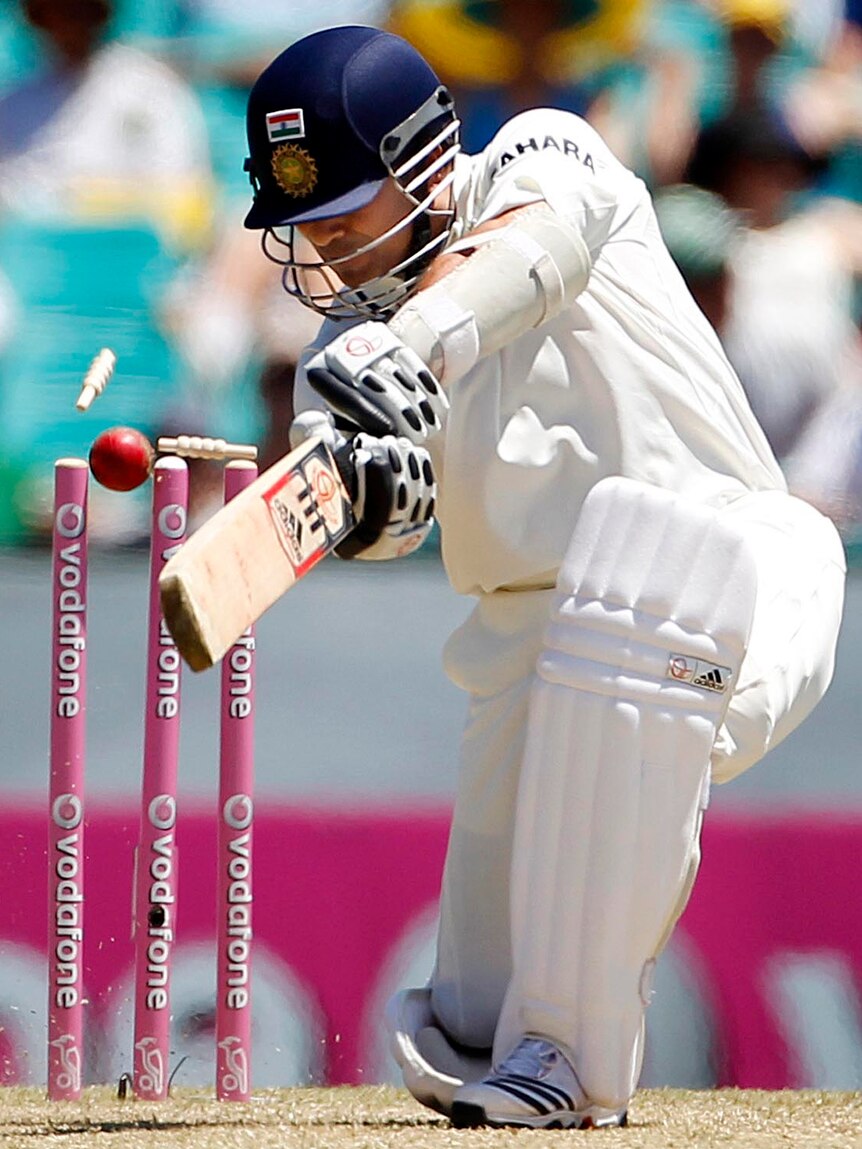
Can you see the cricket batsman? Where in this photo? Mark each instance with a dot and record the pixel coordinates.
(511, 349)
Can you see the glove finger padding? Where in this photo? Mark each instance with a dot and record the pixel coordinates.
(371, 377)
(346, 398)
(395, 492)
(415, 381)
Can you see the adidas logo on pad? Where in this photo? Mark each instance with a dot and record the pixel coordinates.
(705, 675)
(712, 680)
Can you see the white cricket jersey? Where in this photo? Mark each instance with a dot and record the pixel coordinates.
(630, 380)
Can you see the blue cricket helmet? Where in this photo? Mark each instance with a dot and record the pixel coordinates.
(329, 118)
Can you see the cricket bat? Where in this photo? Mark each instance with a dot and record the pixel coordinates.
(244, 558)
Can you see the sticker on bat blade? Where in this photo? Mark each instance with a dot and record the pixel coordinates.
(309, 510)
(329, 495)
(299, 527)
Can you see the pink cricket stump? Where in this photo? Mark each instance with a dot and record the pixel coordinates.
(154, 918)
(66, 788)
(236, 812)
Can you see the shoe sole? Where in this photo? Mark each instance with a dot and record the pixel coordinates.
(468, 1116)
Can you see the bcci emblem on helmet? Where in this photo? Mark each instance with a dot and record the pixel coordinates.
(294, 169)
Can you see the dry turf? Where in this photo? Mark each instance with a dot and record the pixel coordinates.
(377, 1117)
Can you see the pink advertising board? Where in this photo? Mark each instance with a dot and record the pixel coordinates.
(338, 896)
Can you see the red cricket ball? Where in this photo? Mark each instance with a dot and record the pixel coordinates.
(121, 458)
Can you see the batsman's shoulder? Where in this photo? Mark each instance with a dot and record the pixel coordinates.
(547, 140)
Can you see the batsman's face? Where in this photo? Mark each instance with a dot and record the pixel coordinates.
(342, 235)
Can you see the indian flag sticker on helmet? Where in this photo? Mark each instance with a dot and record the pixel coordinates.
(294, 169)
(285, 125)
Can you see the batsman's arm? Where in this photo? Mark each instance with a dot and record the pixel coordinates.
(510, 275)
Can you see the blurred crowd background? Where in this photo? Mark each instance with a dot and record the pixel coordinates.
(122, 193)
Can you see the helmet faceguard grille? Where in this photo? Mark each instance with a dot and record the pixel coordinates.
(413, 153)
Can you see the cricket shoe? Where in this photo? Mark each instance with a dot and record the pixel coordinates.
(433, 1066)
(534, 1087)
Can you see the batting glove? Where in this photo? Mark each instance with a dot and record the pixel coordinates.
(373, 379)
(391, 485)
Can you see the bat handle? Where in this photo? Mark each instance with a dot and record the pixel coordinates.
(343, 456)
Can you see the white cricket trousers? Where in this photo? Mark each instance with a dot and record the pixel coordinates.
(787, 668)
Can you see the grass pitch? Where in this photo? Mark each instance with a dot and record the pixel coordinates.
(380, 1117)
